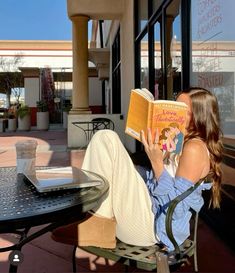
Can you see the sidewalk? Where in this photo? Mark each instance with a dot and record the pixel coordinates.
(51, 151)
(43, 255)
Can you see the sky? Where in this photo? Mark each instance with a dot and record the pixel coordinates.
(34, 20)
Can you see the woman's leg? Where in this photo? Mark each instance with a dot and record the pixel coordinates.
(128, 199)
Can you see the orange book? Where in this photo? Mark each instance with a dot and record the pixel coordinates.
(165, 116)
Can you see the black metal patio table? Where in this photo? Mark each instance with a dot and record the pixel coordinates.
(22, 207)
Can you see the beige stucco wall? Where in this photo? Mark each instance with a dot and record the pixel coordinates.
(95, 91)
(111, 28)
(126, 25)
(127, 63)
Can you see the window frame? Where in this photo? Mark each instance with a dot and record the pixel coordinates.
(185, 10)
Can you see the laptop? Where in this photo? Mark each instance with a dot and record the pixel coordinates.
(63, 178)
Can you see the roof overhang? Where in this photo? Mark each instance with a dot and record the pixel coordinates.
(101, 58)
(96, 9)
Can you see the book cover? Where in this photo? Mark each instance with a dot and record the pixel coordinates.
(165, 116)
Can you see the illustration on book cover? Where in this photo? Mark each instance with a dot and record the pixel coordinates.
(171, 138)
(170, 122)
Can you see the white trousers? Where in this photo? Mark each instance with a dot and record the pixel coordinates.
(128, 199)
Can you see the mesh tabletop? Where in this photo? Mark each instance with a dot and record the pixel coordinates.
(22, 205)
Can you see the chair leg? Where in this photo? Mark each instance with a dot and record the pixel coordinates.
(162, 263)
(195, 242)
(195, 259)
(74, 259)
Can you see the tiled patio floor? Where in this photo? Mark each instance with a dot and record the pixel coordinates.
(43, 255)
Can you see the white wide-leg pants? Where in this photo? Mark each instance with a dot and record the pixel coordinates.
(128, 199)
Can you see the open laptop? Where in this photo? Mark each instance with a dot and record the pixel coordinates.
(63, 178)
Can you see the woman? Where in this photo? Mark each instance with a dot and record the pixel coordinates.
(135, 199)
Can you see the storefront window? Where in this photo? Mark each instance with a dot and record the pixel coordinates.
(142, 14)
(173, 49)
(156, 4)
(116, 75)
(213, 52)
(144, 61)
(158, 81)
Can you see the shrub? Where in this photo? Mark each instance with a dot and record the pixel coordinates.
(23, 111)
(42, 106)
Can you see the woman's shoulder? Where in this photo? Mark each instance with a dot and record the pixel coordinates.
(194, 162)
(196, 146)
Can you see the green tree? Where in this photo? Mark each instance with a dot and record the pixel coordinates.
(11, 78)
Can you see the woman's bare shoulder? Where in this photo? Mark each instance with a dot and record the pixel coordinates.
(194, 148)
(194, 162)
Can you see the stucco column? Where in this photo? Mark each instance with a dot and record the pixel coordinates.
(80, 93)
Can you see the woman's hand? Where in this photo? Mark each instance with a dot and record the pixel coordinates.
(153, 151)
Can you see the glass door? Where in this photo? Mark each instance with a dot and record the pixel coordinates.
(172, 49)
(158, 75)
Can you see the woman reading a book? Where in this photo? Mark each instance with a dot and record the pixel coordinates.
(135, 199)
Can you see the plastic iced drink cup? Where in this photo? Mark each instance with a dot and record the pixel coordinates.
(26, 156)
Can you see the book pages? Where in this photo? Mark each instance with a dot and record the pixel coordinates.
(138, 115)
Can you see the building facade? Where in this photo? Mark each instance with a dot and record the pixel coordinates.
(165, 46)
(46, 69)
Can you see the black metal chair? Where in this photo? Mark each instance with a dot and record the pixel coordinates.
(154, 257)
(102, 123)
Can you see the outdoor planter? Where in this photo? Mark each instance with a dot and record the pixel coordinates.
(42, 120)
(42, 115)
(12, 124)
(24, 118)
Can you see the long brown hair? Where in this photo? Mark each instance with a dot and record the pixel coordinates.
(205, 125)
